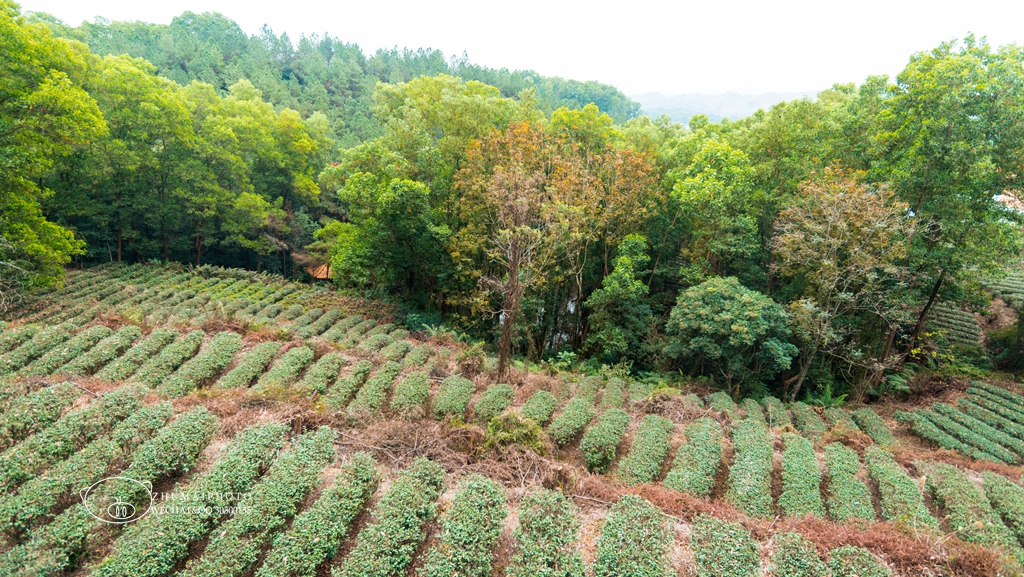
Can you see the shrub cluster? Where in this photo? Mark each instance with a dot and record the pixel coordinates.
(453, 397)
(874, 426)
(285, 370)
(374, 343)
(692, 402)
(795, 556)
(170, 358)
(698, 461)
(316, 534)
(34, 348)
(35, 411)
(418, 356)
(210, 360)
(372, 396)
(922, 425)
(981, 428)
(399, 334)
(60, 485)
(848, 496)
(322, 374)
(380, 329)
(753, 409)
(290, 313)
(602, 439)
(853, 561)
(750, 478)
(588, 388)
(411, 395)
(801, 479)
(105, 351)
(13, 338)
(776, 412)
(469, 531)
(1013, 410)
(723, 549)
(634, 541)
(902, 501)
(493, 402)
(1007, 500)
(972, 436)
(1013, 398)
(238, 543)
(546, 537)
(251, 365)
(386, 546)
(393, 352)
(721, 401)
(339, 395)
(807, 420)
(157, 543)
(125, 366)
(614, 395)
(320, 325)
(840, 419)
(991, 418)
(640, 391)
(510, 429)
(650, 447)
(306, 318)
(67, 351)
(575, 416)
(995, 407)
(968, 511)
(539, 407)
(338, 329)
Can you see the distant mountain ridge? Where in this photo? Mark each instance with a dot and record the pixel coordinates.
(732, 105)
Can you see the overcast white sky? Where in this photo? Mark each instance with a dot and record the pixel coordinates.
(639, 46)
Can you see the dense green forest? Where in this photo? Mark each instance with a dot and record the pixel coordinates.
(800, 250)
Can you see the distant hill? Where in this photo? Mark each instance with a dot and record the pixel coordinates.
(732, 105)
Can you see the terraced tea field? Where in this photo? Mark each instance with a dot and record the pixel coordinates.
(265, 428)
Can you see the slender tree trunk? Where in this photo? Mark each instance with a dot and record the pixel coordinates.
(805, 366)
(924, 313)
(510, 310)
(119, 244)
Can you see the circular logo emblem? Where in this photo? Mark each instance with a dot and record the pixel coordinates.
(105, 499)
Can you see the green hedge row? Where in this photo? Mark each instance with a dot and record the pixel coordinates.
(1011, 410)
(238, 543)
(393, 352)
(720, 401)
(210, 360)
(35, 411)
(853, 561)
(650, 447)
(575, 416)
(10, 339)
(801, 479)
(981, 428)
(372, 396)
(470, 528)
(169, 359)
(339, 395)
(411, 396)
(373, 343)
(990, 405)
(723, 549)
(322, 374)
(602, 439)
(316, 534)
(1007, 500)
(634, 541)
(545, 539)
(698, 461)
(493, 402)
(991, 418)
(922, 426)
(753, 409)
(306, 318)
(252, 364)
(750, 478)
(777, 414)
(973, 437)
(807, 420)
(320, 325)
(902, 501)
(385, 547)
(338, 329)
(453, 397)
(874, 426)
(539, 407)
(126, 365)
(588, 388)
(285, 370)
(37, 346)
(158, 542)
(795, 556)
(418, 356)
(848, 496)
(105, 351)
(67, 351)
(840, 419)
(614, 394)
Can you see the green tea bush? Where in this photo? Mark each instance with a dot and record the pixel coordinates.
(453, 397)
(849, 497)
(65, 436)
(723, 549)
(548, 526)
(372, 344)
(698, 461)
(588, 388)
(341, 393)
(750, 478)
(493, 402)
(840, 419)
(692, 402)
(874, 426)
(852, 561)
(969, 512)
(251, 365)
(510, 429)
(721, 401)
(411, 395)
(981, 428)
(650, 447)
(290, 313)
(539, 407)
(285, 370)
(991, 418)
(35, 411)
(59, 487)
(238, 543)
(341, 327)
(994, 407)
(316, 534)
(67, 351)
(105, 351)
(158, 542)
(634, 541)
(902, 501)
(470, 528)
(126, 365)
(1011, 410)
(614, 395)
(807, 420)
(1013, 398)
(777, 414)
(795, 556)
(602, 439)
(922, 425)
(170, 358)
(640, 391)
(801, 479)
(1007, 500)
(306, 318)
(972, 437)
(210, 360)
(320, 325)
(753, 410)
(10, 339)
(575, 416)
(372, 396)
(393, 352)
(418, 356)
(385, 547)
(399, 334)
(322, 374)
(34, 348)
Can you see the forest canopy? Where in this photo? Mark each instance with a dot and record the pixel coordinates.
(798, 250)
